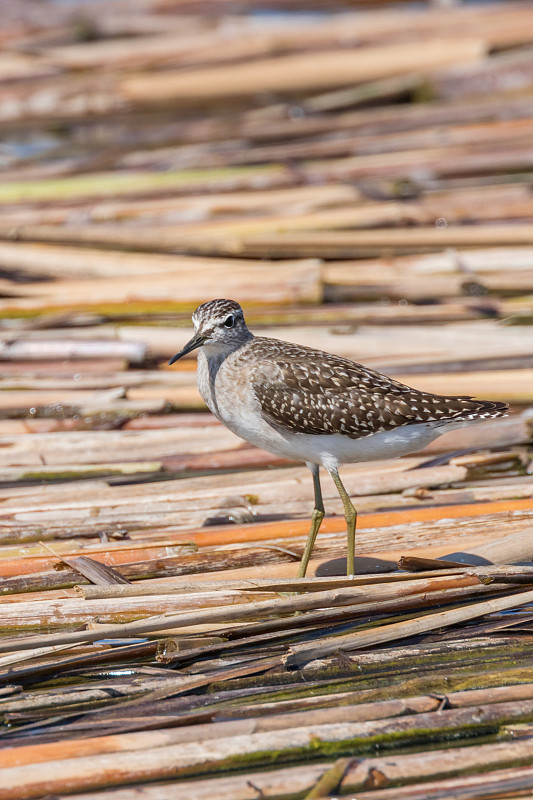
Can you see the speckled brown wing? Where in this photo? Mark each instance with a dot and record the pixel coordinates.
(302, 390)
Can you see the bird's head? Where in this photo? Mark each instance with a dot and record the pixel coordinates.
(219, 326)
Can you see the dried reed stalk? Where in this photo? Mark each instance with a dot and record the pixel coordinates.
(301, 72)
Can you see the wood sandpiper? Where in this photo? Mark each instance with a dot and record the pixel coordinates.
(307, 405)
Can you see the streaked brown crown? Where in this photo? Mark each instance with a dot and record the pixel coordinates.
(214, 312)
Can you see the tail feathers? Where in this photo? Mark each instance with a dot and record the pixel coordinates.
(478, 409)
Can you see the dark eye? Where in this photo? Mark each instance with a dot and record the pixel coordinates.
(229, 322)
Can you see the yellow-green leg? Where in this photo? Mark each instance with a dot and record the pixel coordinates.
(351, 519)
(316, 520)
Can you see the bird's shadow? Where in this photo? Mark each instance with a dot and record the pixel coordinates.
(366, 565)
(363, 566)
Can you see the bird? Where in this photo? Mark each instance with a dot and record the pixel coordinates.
(315, 407)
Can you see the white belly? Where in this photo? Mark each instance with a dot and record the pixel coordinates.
(329, 450)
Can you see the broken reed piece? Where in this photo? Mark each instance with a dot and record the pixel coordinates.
(509, 575)
(94, 571)
(506, 550)
(419, 564)
(330, 780)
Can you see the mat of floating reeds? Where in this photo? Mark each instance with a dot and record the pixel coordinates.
(166, 752)
(301, 721)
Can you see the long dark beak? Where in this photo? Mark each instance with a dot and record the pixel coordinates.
(197, 341)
